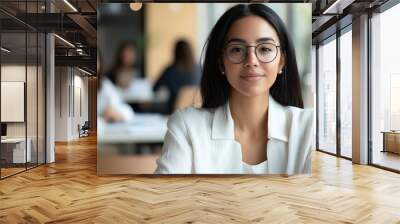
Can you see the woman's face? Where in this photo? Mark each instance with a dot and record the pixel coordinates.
(252, 77)
(128, 56)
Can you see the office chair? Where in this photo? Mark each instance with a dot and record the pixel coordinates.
(84, 130)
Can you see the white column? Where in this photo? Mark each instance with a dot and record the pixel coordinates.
(50, 99)
(360, 90)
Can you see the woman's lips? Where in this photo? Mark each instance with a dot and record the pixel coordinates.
(252, 76)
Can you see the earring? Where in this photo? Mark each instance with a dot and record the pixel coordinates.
(223, 73)
(280, 72)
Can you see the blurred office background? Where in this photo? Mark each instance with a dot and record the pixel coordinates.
(152, 31)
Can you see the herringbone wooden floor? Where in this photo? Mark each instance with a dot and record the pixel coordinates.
(70, 192)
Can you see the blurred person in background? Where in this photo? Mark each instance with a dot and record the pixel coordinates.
(124, 74)
(110, 106)
(182, 72)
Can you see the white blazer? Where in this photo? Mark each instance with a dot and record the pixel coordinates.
(108, 97)
(199, 141)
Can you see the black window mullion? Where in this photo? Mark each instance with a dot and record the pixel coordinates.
(37, 90)
(317, 95)
(26, 86)
(338, 82)
(369, 96)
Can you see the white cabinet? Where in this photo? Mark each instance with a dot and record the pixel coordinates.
(17, 146)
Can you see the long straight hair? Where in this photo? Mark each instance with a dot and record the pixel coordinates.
(215, 87)
(119, 61)
(184, 57)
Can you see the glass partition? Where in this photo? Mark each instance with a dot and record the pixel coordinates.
(346, 94)
(22, 87)
(327, 97)
(14, 153)
(385, 85)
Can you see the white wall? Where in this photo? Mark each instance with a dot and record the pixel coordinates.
(71, 94)
(61, 106)
(16, 73)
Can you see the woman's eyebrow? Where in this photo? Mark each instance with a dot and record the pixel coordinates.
(265, 39)
(259, 40)
(236, 40)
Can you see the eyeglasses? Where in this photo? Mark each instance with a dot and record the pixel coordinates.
(237, 53)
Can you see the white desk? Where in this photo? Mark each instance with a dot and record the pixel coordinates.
(151, 99)
(143, 94)
(146, 128)
(18, 150)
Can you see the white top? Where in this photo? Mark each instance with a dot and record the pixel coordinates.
(260, 168)
(201, 141)
(108, 97)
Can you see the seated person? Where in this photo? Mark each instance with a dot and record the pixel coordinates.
(182, 72)
(110, 106)
(126, 77)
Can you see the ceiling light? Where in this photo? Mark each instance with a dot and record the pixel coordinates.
(337, 7)
(5, 50)
(70, 5)
(326, 11)
(64, 40)
(136, 6)
(84, 71)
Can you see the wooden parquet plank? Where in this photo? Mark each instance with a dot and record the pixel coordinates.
(69, 191)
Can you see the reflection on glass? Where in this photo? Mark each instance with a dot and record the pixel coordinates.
(327, 97)
(386, 89)
(346, 94)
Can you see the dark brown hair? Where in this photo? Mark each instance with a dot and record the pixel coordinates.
(215, 87)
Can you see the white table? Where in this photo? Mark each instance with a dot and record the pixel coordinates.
(18, 149)
(146, 128)
(144, 94)
(150, 99)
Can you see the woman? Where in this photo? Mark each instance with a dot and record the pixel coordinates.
(182, 72)
(126, 78)
(124, 70)
(110, 107)
(252, 118)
